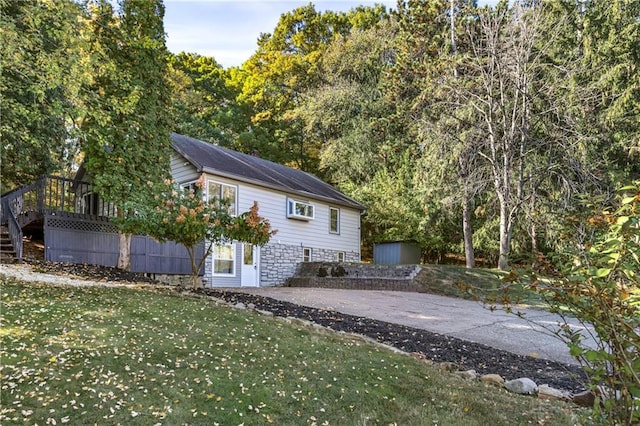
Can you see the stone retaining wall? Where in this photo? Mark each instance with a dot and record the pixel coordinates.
(356, 270)
(390, 284)
(357, 276)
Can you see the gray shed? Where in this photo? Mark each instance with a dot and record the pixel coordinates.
(396, 253)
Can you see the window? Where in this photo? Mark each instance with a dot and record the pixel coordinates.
(299, 210)
(306, 254)
(334, 220)
(191, 186)
(222, 191)
(224, 260)
(340, 256)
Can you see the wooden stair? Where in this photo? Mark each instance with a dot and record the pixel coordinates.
(7, 252)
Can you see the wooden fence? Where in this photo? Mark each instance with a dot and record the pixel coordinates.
(74, 238)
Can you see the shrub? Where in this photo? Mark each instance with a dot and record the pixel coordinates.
(599, 284)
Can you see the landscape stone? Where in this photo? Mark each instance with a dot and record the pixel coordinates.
(584, 399)
(549, 393)
(523, 385)
(494, 379)
(448, 366)
(240, 305)
(468, 374)
(251, 306)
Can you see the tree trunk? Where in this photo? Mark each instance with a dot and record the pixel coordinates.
(195, 267)
(124, 251)
(532, 213)
(505, 237)
(467, 231)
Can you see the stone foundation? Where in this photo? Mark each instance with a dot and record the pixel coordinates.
(279, 262)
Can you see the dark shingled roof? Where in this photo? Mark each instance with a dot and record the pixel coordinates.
(214, 159)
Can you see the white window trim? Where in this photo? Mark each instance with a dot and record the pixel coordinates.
(223, 184)
(291, 202)
(189, 185)
(310, 257)
(233, 259)
(336, 232)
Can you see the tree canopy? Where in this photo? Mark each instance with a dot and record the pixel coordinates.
(471, 130)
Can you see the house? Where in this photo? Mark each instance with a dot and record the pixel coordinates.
(315, 222)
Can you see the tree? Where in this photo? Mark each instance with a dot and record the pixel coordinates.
(277, 77)
(362, 150)
(598, 283)
(608, 38)
(184, 216)
(203, 101)
(430, 49)
(41, 74)
(127, 125)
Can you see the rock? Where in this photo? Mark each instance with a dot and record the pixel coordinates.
(265, 313)
(494, 379)
(524, 386)
(240, 305)
(251, 306)
(448, 366)
(468, 374)
(547, 392)
(417, 355)
(584, 399)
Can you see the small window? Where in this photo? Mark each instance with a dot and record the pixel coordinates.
(300, 210)
(306, 254)
(190, 186)
(224, 260)
(341, 256)
(334, 220)
(222, 191)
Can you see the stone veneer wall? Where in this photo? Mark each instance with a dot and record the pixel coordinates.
(208, 267)
(278, 262)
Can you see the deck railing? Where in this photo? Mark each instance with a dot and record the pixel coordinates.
(48, 194)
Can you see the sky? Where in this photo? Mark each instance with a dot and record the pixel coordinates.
(228, 30)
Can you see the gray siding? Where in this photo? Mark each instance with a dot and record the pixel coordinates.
(182, 171)
(280, 257)
(313, 233)
(224, 280)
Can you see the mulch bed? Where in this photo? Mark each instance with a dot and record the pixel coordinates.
(432, 346)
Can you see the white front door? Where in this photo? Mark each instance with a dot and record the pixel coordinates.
(250, 273)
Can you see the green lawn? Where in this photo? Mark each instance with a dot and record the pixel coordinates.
(141, 356)
(482, 284)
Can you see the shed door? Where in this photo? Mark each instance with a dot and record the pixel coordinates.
(250, 272)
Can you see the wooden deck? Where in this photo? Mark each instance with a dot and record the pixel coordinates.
(77, 228)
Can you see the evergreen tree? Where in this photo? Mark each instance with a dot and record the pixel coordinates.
(41, 73)
(127, 127)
